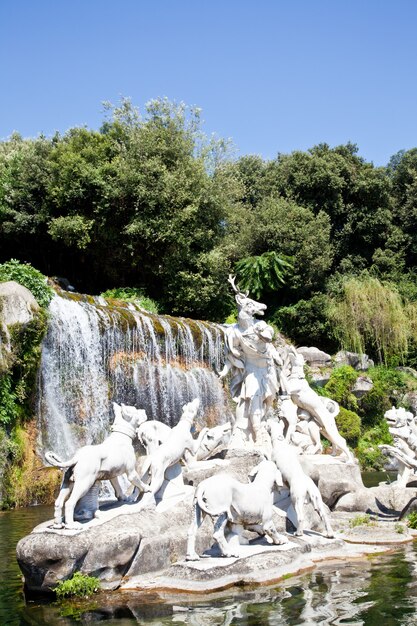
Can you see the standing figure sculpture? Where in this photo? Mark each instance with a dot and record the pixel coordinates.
(252, 360)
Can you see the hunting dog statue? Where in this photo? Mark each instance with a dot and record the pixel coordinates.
(105, 461)
(172, 450)
(302, 488)
(243, 505)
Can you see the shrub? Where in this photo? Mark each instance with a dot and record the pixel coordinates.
(132, 294)
(79, 585)
(9, 409)
(29, 277)
(412, 520)
(339, 387)
(367, 451)
(389, 385)
(360, 520)
(306, 322)
(349, 425)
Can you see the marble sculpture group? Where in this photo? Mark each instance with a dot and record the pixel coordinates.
(278, 415)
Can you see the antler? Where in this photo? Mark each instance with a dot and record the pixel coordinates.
(232, 281)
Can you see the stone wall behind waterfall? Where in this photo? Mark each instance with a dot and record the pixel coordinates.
(96, 353)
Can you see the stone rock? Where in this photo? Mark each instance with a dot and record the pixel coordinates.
(360, 362)
(410, 507)
(333, 477)
(17, 304)
(386, 499)
(362, 385)
(237, 463)
(315, 357)
(127, 545)
(407, 370)
(136, 542)
(320, 376)
(410, 399)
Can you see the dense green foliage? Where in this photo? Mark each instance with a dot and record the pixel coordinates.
(339, 387)
(149, 203)
(78, 585)
(361, 420)
(20, 352)
(326, 239)
(349, 425)
(29, 277)
(412, 520)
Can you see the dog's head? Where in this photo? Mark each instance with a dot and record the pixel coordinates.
(275, 428)
(267, 473)
(214, 437)
(189, 410)
(129, 414)
(398, 417)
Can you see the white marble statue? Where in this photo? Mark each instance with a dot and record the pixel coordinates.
(171, 450)
(252, 360)
(215, 439)
(300, 428)
(152, 433)
(105, 461)
(230, 502)
(322, 410)
(302, 488)
(403, 427)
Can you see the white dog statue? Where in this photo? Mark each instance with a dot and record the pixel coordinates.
(172, 450)
(214, 439)
(247, 506)
(302, 488)
(152, 433)
(105, 461)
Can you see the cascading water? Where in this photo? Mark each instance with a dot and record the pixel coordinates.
(94, 354)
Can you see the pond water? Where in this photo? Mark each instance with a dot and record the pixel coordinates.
(376, 591)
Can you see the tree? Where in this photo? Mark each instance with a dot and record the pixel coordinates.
(371, 317)
(296, 232)
(354, 194)
(403, 175)
(265, 272)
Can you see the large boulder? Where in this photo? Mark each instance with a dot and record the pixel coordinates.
(127, 542)
(127, 545)
(315, 357)
(410, 400)
(17, 304)
(386, 499)
(360, 362)
(333, 477)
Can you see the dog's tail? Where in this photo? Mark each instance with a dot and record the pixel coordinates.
(54, 460)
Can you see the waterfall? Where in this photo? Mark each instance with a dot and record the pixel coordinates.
(95, 353)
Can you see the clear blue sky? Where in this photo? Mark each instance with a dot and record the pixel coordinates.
(273, 75)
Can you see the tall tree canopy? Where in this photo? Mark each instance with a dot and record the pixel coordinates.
(148, 202)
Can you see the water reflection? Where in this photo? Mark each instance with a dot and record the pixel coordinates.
(370, 592)
(376, 591)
